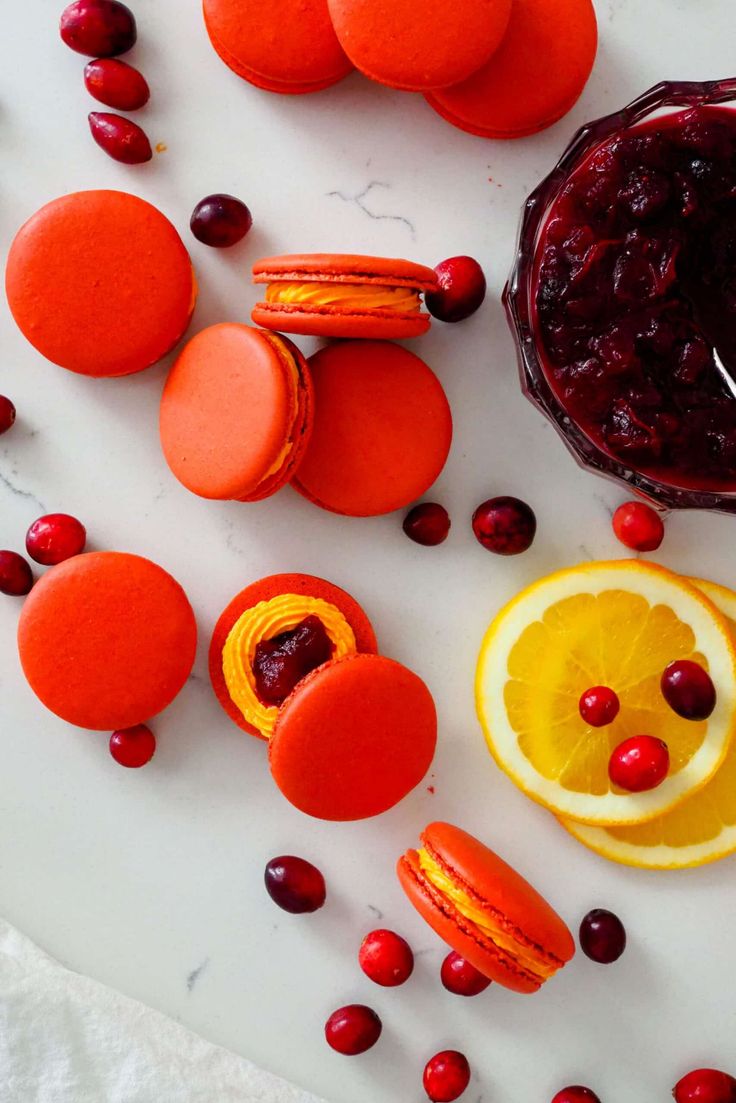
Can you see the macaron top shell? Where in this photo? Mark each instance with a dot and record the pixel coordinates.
(235, 413)
(344, 268)
(106, 640)
(419, 46)
(100, 283)
(535, 76)
(382, 429)
(282, 46)
(354, 738)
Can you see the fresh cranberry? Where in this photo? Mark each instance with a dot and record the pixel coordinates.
(353, 1029)
(116, 84)
(133, 747)
(576, 1095)
(638, 526)
(54, 538)
(599, 706)
(279, 664)
(120, 138)
(688, 690)
(504, 525)
(98, 28)
(427, 524)
(386, 958)
(639, 764)
(462, 290)
(220, 221)
(705, 1086)
(446, 1076)
(16, 576)
(7, 414)
(295, 885)
(602, 936)
(461, 978)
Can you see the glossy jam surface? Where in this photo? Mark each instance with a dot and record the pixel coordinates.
(295, 885)
(635, 287)
(280, 663)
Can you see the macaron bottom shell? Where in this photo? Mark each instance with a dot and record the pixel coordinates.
(340, 324)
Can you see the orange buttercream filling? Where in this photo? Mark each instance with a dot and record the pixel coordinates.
(263, 622)
(350, 296)
(294, 379)
(483, 919)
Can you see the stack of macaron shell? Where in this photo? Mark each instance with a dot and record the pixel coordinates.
(484, 910)
(107, 640)
(236, 413)
(353, 735)
(100, 283)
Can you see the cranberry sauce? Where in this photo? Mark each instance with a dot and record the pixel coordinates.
(283, 661)
(635, 286)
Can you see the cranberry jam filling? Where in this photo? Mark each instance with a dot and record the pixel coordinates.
(635, 287)
(283, 661)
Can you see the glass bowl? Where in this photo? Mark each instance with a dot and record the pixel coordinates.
(662, 99)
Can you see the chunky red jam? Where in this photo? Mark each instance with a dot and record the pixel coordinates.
(283, 661)
(635, 287)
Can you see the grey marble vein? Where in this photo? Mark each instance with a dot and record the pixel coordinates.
(359, 201)
(196, 974)
(20, 493)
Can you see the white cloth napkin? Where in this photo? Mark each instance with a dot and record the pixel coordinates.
(67, 1039)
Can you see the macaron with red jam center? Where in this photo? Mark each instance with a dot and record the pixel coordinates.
(274, 608)
(484, 910)
(418, 47)
(236, 413)
(100, 283)
(382, 429)
(289, 46)
(333, 295)
(107, 640)
(534, 78)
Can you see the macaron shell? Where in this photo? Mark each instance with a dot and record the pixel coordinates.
(228, 410)
(354, 738)
(286, 46)
(345, 268)
(100, 283)
(107, 640)
(265, 590)
(417, 47)
(534, 78)
(336, 322)
(382, 429)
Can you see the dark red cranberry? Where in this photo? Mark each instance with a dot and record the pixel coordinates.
(427, 524)
(705, 1086)
(295, 885)
(98, 28)
(7, 414)
(133, 747)
(462, 289)
(446, 1076)
(638, 526)
(120, 138)
(639, 764)
(576, 1095)
(461, 978)
(353, 1029)
(599, 706)
(386, 958)
(116, 84)
(504, 525)
(16, 576)
(602, 936)
(220, 221)
(688, 690)
(279, 664)
(55, 537)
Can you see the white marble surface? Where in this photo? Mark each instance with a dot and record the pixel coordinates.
(151, 881)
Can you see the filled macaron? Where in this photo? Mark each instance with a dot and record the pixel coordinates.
(293, 660)
(107, 640)
(484, 910)
(335, 295)
(100, 283)
(236, 413)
